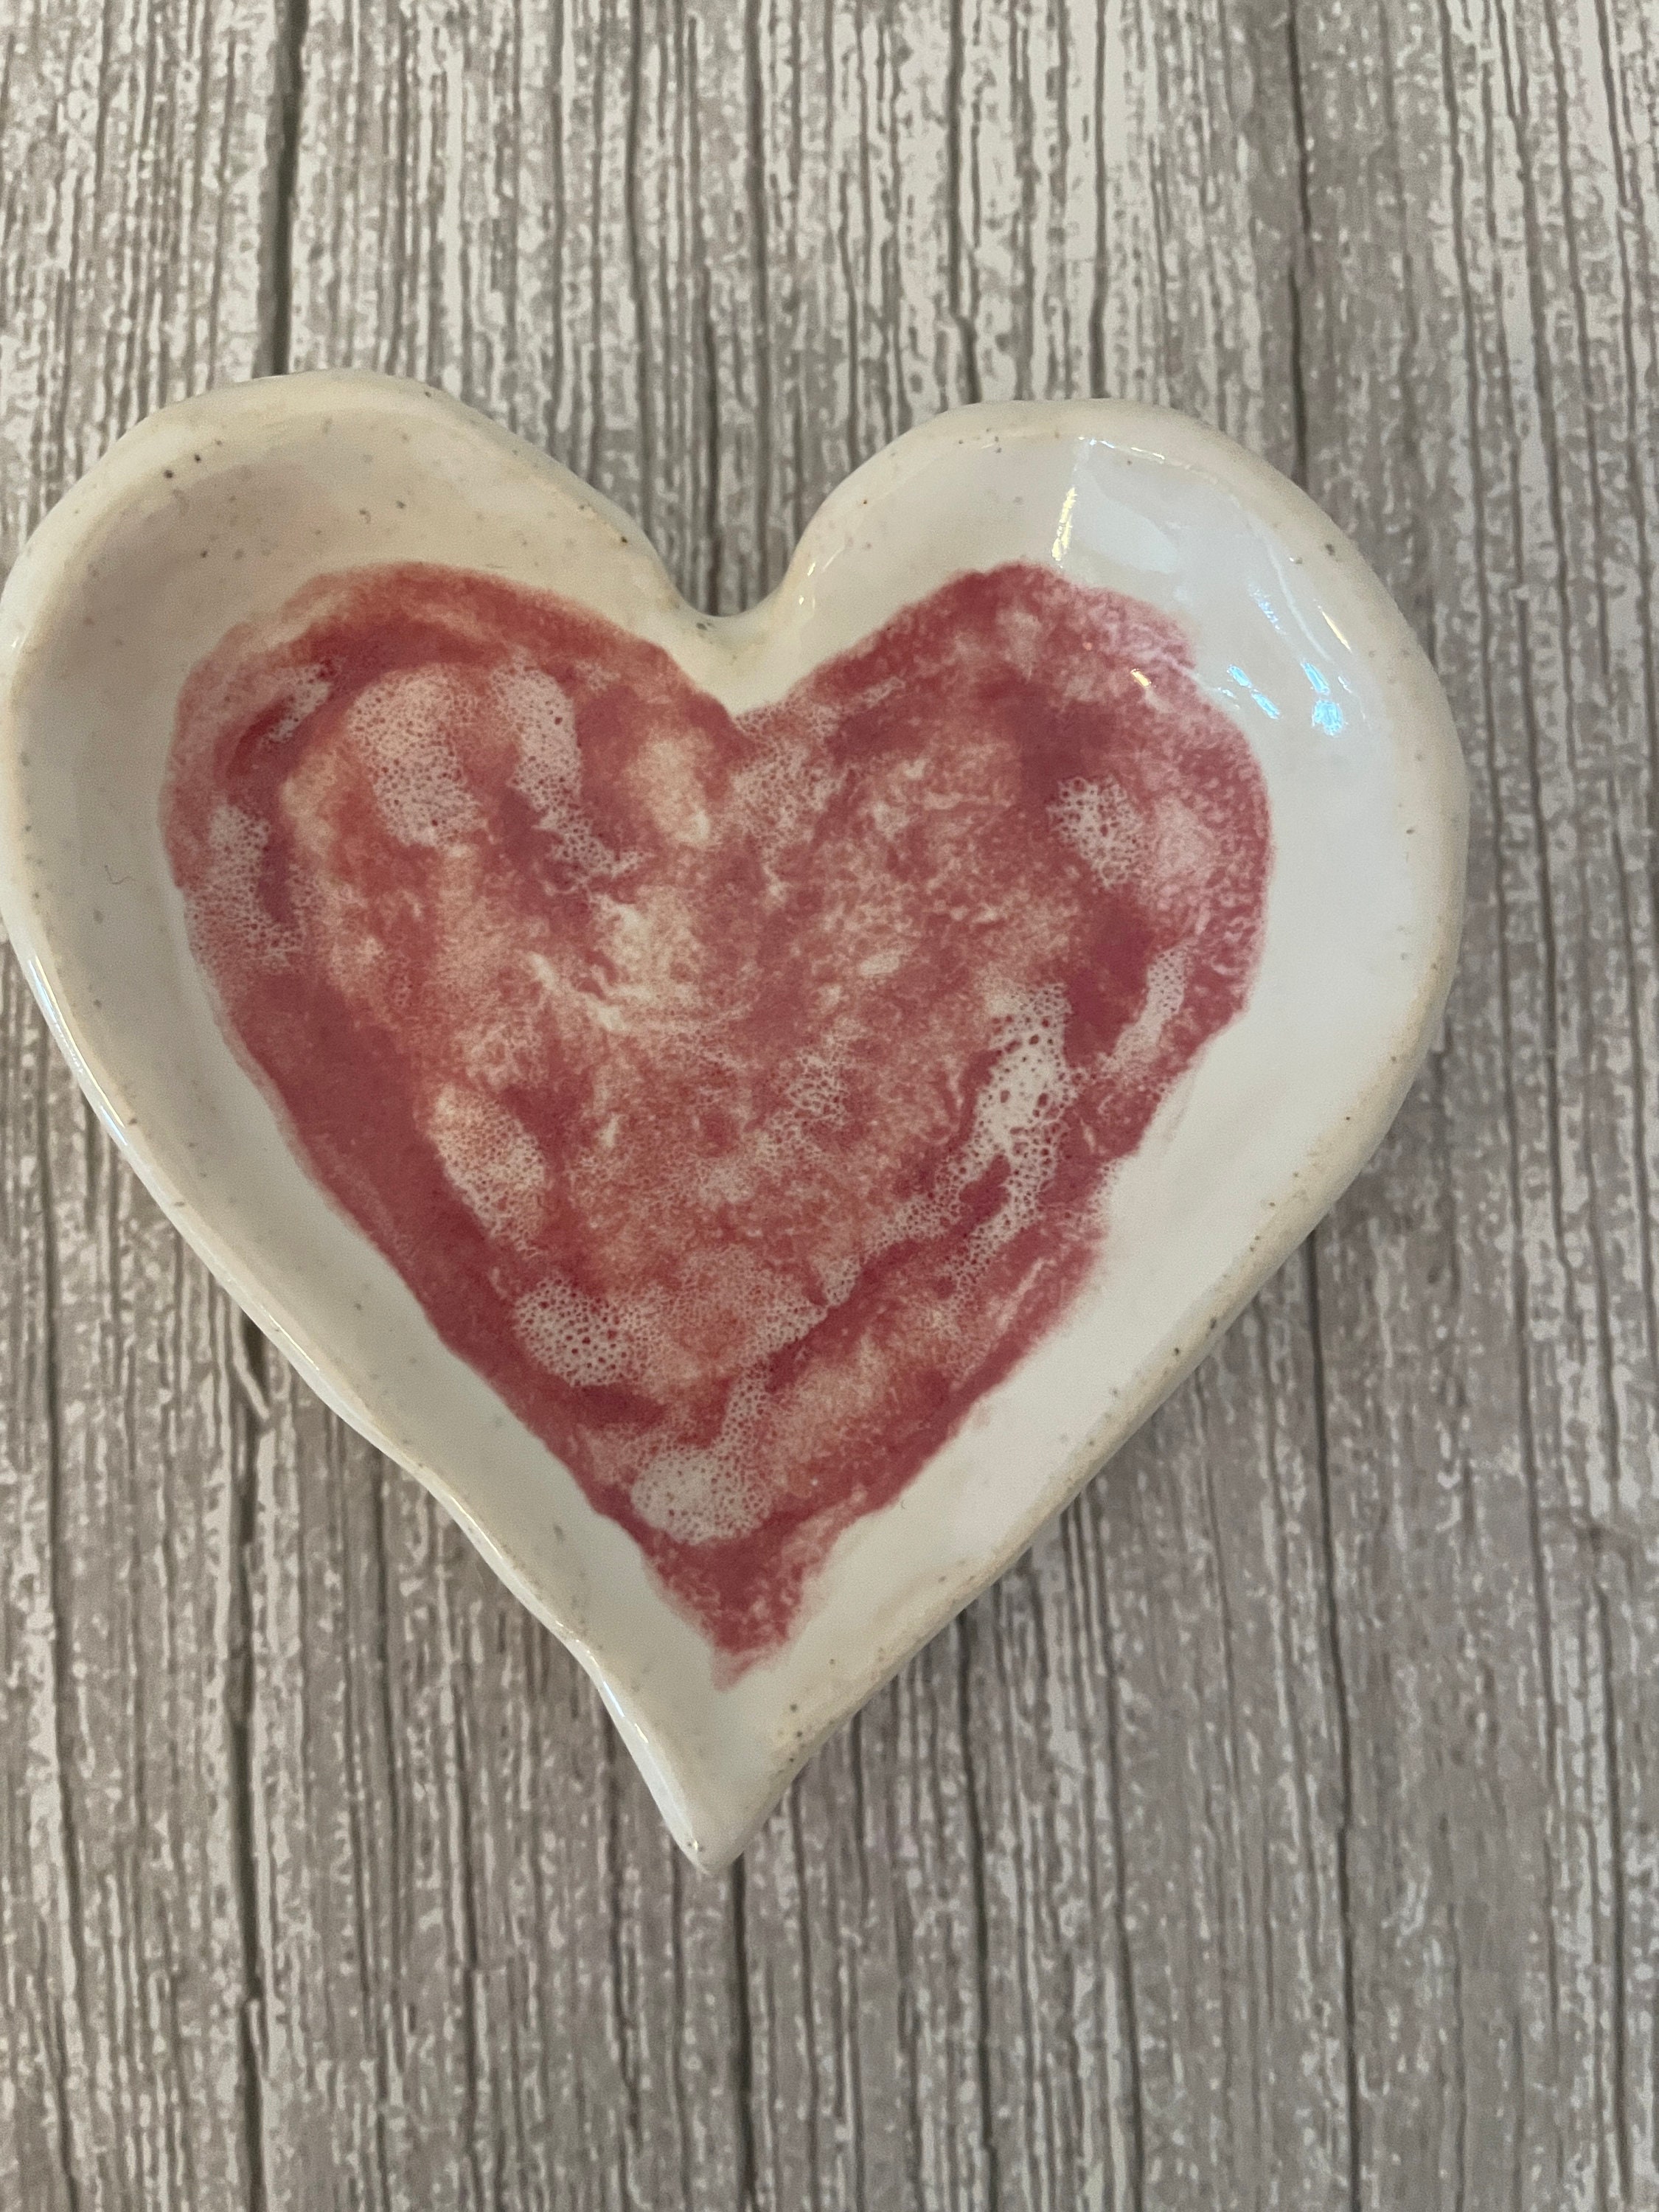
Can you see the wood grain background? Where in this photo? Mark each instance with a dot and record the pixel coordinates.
(1285, 1830)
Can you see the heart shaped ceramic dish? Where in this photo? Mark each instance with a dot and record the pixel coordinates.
(1078, 756)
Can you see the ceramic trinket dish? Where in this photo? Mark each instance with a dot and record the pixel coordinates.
(751, 1112)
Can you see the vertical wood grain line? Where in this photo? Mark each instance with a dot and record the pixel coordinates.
(240, 1724)
(61, 1667)
(956, 249)
(1344, 1827)
(1129, 2002)
(743, 2051)
(1301, 250)
(638, 281)
(970, 1795)
(284, 169)
(755, 166)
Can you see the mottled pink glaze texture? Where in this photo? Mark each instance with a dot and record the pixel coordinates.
(736, 1094)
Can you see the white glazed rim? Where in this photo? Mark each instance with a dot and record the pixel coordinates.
(711, 1823)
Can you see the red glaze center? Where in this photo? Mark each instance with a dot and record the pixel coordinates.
(735, 1093)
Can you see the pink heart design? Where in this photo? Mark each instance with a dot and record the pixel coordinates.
(737, 1095)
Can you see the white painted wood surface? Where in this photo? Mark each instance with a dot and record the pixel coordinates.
(1285, 1830)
